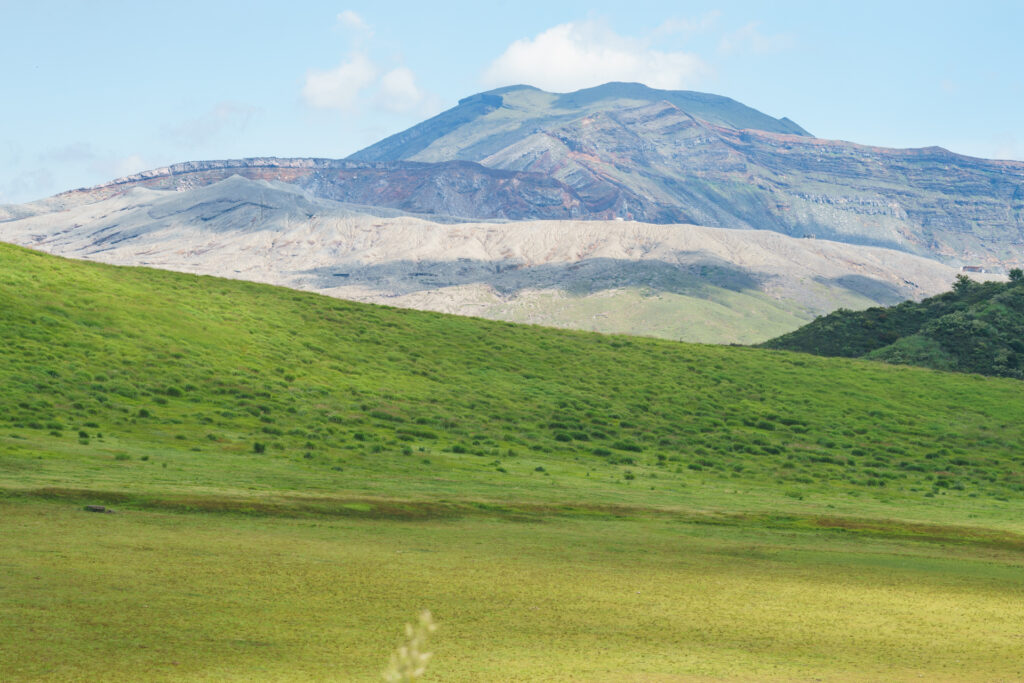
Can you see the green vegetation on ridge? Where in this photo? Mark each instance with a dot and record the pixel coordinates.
(241, 385)
(294, 476)
(976, 327)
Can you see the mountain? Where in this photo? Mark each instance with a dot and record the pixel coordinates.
(977, 327)
(677, 281)
(668, 157)
(484, 124)
(662, 156)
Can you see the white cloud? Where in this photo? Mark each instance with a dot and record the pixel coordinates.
(339, 88)
(224, 117)
(119, 167)
(750, 38)
(584, 54)
(360, 82)
(398, 91)
(352, 21)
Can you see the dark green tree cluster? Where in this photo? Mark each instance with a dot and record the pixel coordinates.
(977, 327)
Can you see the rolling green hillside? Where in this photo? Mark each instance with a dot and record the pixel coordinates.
(977, 327)
(234, 386)
(295, 476)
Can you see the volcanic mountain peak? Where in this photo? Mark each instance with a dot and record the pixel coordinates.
(487, 122)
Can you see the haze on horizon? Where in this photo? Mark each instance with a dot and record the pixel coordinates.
(103, 90)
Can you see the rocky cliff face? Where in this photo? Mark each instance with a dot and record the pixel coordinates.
(450, 189)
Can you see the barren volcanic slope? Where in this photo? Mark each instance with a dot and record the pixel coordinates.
(676, 281)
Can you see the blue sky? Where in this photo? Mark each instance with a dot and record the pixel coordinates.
(93, 91)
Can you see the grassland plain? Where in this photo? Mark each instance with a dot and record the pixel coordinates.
(296, 476)
(150, 595)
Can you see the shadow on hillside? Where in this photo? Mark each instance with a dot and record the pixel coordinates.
(509, 278)
(876, 290)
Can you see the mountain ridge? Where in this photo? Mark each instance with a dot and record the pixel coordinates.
(713, 108)
(515, 153)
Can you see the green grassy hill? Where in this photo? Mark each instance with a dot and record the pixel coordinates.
(977, 327)
(296, 475)
(239, 386)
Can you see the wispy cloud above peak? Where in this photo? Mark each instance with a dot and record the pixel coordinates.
(398, 91)
(339, 88)
(360, 82)
(583, 54)
(353, 22)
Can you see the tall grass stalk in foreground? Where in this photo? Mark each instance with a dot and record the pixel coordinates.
(409, 661)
